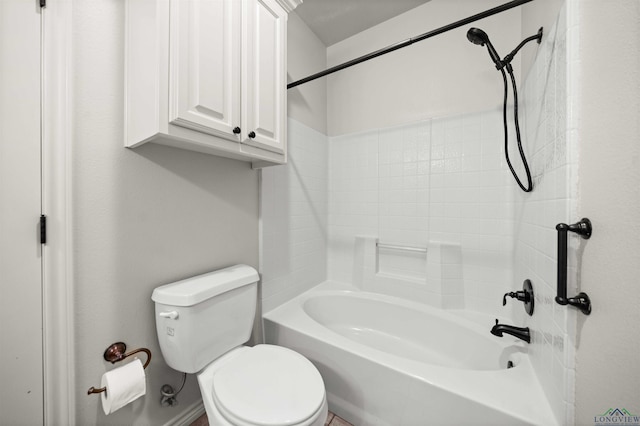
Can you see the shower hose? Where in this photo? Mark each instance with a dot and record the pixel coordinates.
(529, 186)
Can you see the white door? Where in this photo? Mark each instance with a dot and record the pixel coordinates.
(265, 67)
(21, 371)
(204, 62)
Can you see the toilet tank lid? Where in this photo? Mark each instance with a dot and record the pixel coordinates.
(194, 290)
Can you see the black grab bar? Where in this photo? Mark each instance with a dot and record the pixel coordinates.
(581, 301)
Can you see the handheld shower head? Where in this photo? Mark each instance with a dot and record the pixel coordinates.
(479, 37)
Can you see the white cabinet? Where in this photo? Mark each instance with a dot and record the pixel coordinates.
(208, 75)
(204, 66)
(265, 83)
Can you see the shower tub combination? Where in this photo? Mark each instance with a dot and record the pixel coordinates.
(390, 361)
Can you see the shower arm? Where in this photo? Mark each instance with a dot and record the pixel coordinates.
(508, 58)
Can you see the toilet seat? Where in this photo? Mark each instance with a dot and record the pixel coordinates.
(268, 386)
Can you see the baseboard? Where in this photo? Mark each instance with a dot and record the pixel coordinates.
(188, 416)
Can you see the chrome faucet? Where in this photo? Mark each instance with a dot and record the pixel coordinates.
(519, 332)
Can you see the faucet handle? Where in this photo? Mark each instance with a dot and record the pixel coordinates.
(504, 298)
(525, 295)
(522, 296)
(496, 321)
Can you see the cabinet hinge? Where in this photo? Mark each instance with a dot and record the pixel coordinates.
(43, 3)
(43, 229)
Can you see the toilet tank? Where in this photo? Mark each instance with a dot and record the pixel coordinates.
(203, 317)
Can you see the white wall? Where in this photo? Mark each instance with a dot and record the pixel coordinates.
(144, 217)
(442, 76)
(293, 204)
(609, 107)
(306, 55)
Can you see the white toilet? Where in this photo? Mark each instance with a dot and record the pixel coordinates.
(202, 323)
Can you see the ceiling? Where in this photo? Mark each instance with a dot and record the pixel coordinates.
(335, 20)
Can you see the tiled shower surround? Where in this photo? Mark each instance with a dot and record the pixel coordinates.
(293, 205)
(550, 119)
(436, 181)
(421, 184)
(443, 182)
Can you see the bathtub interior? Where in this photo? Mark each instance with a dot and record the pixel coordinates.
(438, 338)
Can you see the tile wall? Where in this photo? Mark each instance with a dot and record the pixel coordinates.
(472, 203)
(550, 129)
(440, 181)
(294, 200)
(353, 199)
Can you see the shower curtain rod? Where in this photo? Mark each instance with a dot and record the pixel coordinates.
(410, 41)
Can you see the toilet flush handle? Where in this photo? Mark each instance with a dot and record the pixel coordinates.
(170, 315)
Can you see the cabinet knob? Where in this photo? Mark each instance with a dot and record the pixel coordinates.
(236, 130)
(252, 135)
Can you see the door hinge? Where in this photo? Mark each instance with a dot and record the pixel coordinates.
(43, 3)
(43, 229)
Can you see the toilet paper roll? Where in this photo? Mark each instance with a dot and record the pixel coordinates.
(124, 385)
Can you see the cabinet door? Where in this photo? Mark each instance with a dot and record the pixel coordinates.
(264, 75)
(204, 58)
(21, 256)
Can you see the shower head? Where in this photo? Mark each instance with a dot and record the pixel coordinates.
(479, 37)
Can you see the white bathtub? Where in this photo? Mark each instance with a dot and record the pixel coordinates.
(388, 361)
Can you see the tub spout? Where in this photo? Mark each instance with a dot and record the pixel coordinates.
(519, 332)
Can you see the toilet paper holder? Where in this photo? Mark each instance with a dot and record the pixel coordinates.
(115, 353)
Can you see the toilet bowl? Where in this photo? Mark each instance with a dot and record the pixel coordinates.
(263, 385)
(202, 324)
